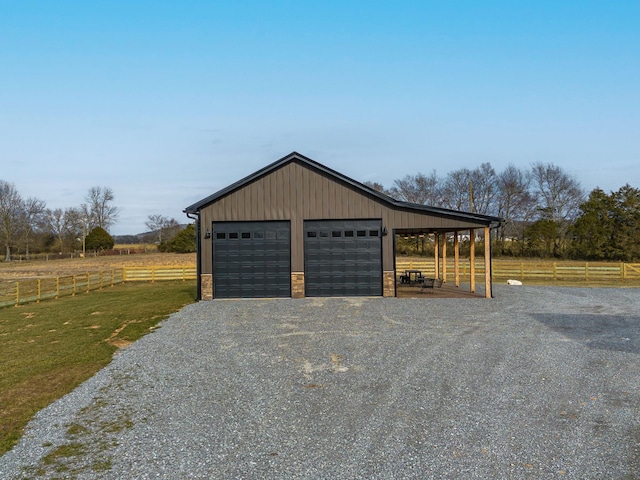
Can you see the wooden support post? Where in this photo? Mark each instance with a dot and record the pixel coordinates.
(487, 262)
(456, 257)
(436, 247)
(444, 257)
(472, 260)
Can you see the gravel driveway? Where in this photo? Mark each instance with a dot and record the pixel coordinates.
(536, 383)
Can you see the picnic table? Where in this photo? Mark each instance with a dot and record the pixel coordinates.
(411, 277)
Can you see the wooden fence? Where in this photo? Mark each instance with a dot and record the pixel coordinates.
(151, 274)
(35, 290)
(534, 270)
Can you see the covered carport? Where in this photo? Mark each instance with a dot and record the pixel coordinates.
(447, 251)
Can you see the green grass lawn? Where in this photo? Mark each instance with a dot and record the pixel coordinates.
(48, 349)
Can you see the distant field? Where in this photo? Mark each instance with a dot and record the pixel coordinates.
(24, 270)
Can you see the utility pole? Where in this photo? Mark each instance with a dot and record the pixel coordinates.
(84, 236)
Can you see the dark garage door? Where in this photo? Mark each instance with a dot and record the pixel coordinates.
(342, 258)
(251, 259)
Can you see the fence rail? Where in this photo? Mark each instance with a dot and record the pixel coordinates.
(49, 257)
(541, 271)
(35, 290)
(151, 274)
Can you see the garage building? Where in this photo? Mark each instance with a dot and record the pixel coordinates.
(298, 229)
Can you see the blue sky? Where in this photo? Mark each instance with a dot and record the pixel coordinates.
(167, 102)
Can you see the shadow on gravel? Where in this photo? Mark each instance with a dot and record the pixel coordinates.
(605, 332)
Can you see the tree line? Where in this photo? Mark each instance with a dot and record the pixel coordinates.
(28, 226)
(545, 210)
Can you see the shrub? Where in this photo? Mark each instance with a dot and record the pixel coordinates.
(99, 239)
(183, 242)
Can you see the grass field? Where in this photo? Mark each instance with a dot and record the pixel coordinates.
(50, 348)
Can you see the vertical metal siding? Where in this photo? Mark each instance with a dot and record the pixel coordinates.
(296, 192)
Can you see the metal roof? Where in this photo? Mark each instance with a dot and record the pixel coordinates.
(301, 159)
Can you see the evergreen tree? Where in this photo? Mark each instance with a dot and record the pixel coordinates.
(183, 242)
(99, 239)
(627, 223)
(593, 230)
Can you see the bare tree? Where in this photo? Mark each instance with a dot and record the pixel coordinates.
(422, 189)
(559, 196)
(12, 216)
(65, 225)
(378, 187)
(164, 228)
(34, 210)
(515, 203)
(457, 190)
(99, 211)
(483, 189)
(171, 229)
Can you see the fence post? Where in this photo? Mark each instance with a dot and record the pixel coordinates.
(100, 279)
(622, 271)
(38, 301)
(73, 290)
(57, 287)
(586, 271)
(153, 274)
(522, 271)
(17, 293)
(555, 271)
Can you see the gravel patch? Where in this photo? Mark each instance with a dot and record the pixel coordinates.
(536, 383)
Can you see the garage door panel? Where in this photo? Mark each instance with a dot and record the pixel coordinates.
(343, 257)
(251, 259)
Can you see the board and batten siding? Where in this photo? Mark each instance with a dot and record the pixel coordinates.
(296, 192)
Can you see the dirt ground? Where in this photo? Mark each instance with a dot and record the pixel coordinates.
(23, 270)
